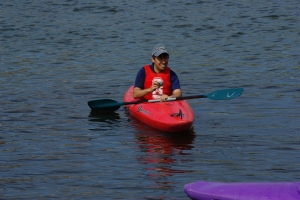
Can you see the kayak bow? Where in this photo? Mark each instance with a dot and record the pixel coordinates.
(243, 191)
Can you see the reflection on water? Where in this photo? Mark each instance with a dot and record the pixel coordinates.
(105, 120)
(100, 116)
(161, 150)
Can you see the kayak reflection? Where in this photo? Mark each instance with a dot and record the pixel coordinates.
(162, 151)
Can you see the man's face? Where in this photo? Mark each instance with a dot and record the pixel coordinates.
(160, 62)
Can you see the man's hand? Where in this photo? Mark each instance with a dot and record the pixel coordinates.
(155, 85)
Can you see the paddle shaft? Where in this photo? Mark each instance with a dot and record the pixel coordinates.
(109, 104)
(169, 99)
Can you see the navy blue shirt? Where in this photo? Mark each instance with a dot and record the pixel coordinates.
(141, 75)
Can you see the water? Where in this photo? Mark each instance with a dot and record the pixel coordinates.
(55, 56)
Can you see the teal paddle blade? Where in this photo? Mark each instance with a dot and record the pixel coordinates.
(104, 105)
(225, 94)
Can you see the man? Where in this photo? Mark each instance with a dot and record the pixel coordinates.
(157, 81)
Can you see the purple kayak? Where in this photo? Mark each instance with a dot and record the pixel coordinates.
(243, 191)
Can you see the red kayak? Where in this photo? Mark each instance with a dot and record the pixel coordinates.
(169, 116)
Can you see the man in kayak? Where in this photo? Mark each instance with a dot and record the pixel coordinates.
(157, 81)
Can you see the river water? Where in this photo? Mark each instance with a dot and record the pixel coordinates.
(55, 56)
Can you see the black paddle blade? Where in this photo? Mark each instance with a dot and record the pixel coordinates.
(104, 105)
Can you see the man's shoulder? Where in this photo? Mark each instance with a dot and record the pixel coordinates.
(172, 73)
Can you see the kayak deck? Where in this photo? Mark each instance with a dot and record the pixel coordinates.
(169, 116)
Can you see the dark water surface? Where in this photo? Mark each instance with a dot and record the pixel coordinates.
(55, 56)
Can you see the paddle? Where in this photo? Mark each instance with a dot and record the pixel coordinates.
(112, 105)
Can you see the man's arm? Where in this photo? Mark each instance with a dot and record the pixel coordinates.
(138, 92)
(175, 85)
(176, 93)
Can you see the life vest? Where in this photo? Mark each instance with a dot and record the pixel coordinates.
(162, 77)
